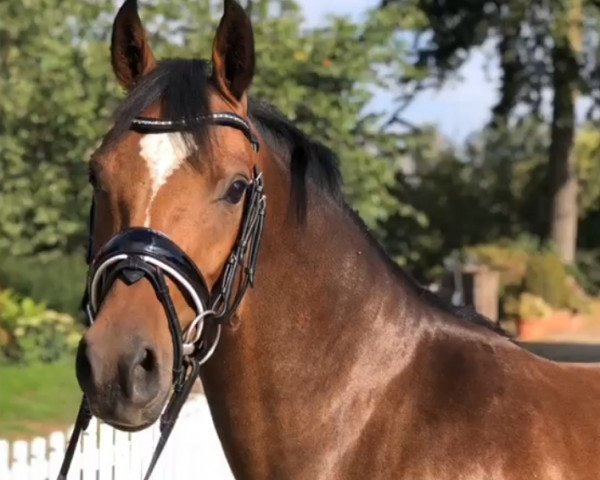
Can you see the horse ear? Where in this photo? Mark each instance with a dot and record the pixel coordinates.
(130, 51)
(233, 53)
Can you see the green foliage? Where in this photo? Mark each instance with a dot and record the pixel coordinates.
(508, 257)
(58, 91)
(431, 178)
(587, 270)
(494, 188)
(546, 277)
(463, 197)
(528, 307)
(587, 151)
(56, 281)
(533, 280)
(29, 332)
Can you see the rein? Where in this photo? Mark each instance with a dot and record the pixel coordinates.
(138, 253)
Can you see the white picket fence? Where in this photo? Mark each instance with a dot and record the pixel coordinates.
(192, 452)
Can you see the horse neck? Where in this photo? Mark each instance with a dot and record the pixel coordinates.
(305, 338)
(318, 280)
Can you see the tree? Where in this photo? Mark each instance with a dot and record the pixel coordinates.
(55, 102)
(562, 161)
(58, 94)
(461, 197)
(588, 167)
(498, 178)
(541, 48)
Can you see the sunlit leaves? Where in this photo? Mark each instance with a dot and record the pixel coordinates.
(58, 93)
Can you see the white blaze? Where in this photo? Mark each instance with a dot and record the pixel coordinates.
(164, 153)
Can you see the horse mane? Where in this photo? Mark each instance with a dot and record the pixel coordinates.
(308, 159)
(182, 88)
(467, 313)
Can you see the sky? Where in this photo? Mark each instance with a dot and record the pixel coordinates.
(458, 109)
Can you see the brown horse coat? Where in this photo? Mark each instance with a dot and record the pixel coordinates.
(337, 366)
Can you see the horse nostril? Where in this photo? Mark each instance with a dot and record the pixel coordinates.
(148, 361)
(138, 374)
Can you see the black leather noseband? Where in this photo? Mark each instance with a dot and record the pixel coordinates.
(138, 253)
(142, 253)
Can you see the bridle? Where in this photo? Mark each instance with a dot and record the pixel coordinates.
(138, 253)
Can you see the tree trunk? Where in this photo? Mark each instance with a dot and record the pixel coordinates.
(513, 78)
(562, 161)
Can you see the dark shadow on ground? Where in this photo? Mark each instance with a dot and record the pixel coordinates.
(565, 352)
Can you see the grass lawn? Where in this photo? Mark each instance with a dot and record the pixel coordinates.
(37, 399)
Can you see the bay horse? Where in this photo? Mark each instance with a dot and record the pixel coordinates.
(335, 365)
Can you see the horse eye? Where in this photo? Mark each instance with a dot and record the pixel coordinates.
(236, 191)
